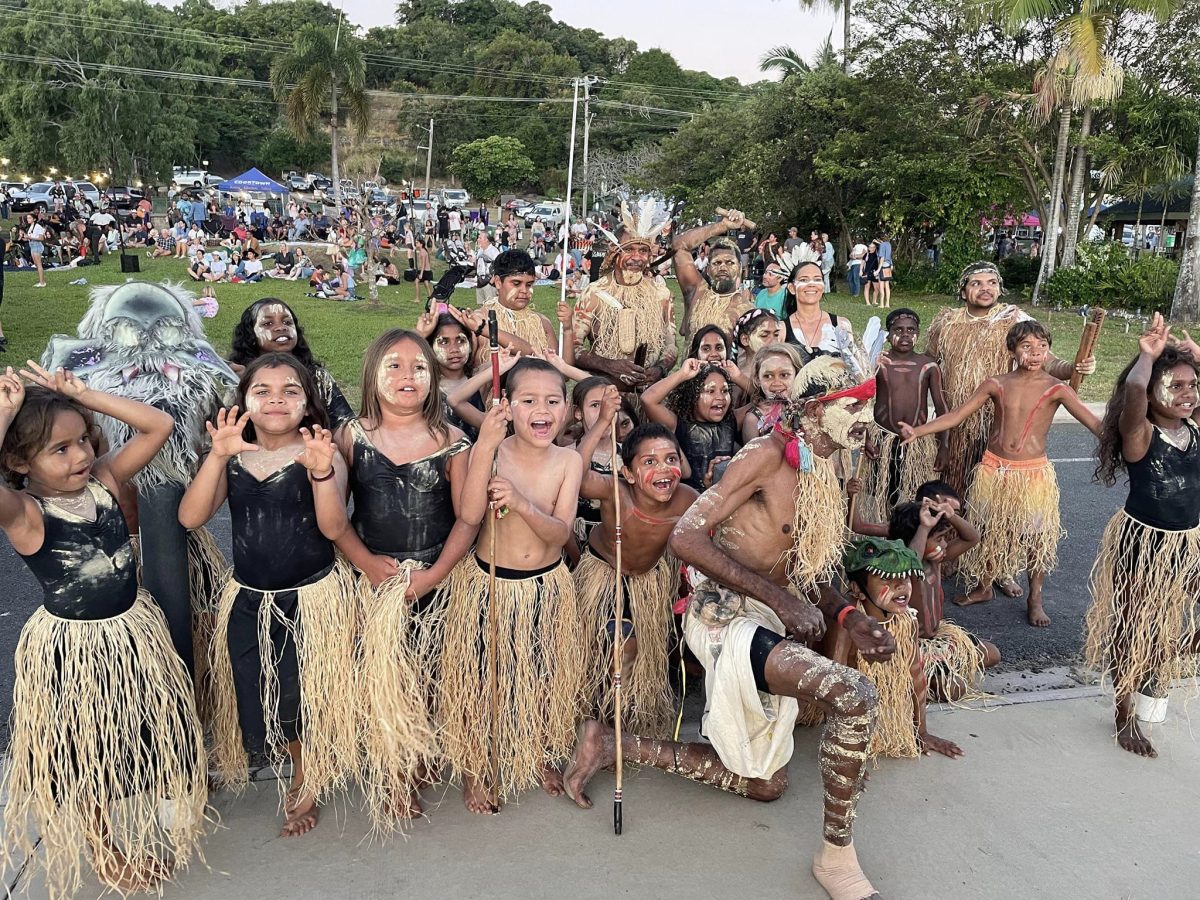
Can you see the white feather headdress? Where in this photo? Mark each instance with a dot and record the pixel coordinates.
(787, 260)
(642, 225)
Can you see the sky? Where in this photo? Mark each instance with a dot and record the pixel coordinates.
(723, 38)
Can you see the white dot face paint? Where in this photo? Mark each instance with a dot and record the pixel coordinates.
(1162, 390)
(387, 367)
(275, 328)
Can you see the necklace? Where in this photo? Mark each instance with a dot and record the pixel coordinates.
(804, 334)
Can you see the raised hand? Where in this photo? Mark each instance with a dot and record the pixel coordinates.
(929, 514)
(318, 452)
(227, 440)
(690, 368)
(494, 427)
(610, 403)
(12, 393)
(733, 218)
(426, 324)
(62, 381)
(1154, 339)
(508, 358)
(1187, 345)
(730, 368)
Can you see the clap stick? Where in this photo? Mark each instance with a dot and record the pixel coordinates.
(618, 636)
(1087, 344)
(721, 211)
(493, 616)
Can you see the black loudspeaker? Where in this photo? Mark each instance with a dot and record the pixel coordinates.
(130, 263)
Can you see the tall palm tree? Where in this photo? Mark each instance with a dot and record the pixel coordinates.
(842, 6)
(321, 71)
(783, 59)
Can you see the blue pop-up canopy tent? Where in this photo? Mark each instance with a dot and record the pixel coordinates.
(252, 180)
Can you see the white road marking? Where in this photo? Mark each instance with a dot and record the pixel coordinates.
(1074, 459)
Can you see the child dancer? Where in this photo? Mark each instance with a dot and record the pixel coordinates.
(508, 718)
(407, 472)
(103, 710)
(771, 376)
(933, 528)
(1014, 494)
(694, 403)
(270, 326)
(454, 348)
(1142, 627)
(652, 502)
(879, 575)
(906, 383)
(282, 652)
(586, 399)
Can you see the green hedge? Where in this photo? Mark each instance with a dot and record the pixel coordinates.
(1108, 276)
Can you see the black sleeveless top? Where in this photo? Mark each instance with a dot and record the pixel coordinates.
(86, 569)
(403, 511)
(276, 542)
(1164, 485)
(701, 442)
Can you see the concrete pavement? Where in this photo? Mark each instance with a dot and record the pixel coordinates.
(1044, 805)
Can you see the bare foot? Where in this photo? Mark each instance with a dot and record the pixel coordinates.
(593, 752)
(1009, 588)
(980, 594)
(1130, 737)
(1036, 614)
(477, 799)
(122, 874)
(302, 813)
(407, 806)
(552, 780)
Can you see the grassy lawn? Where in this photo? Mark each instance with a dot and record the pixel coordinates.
(339, 332)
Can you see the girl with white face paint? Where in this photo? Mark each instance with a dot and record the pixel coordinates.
(1142, 625)
(407, 468)
(278, 684)
(270, 326)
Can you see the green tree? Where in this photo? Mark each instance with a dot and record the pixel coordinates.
(492, 165)
(322, 70)
(1186, 303)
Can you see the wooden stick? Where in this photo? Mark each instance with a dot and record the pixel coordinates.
(721, 211)
(1087, 344)
(618, 636)
(493, 617)
(858, 474)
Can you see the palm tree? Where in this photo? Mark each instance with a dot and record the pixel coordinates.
(784, 59)
(1185, 306)
(842, 6)
(319, 72)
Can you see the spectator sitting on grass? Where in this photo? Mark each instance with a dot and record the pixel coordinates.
(218, 268)
(197, 268)
(252, 268)
(164, 244)
(285, 261)
(179, 231)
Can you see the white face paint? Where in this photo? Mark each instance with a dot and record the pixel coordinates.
(274, 327)
(383, 376)
(845, 427)
(1162, 390)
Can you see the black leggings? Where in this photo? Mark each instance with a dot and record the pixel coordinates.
(761, 645)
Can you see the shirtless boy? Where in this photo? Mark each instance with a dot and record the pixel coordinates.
(766, 531)
(1014, 493)
(652, 500)
(508, 719)
(906, 382)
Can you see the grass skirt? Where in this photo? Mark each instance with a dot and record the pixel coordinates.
(322, 633)
(393, 685)
(539, 658)
(647, 702)
(896, 732)
(1015, 506)
(104, 730)
(951, 653)
(897, 473)
(1144, 587)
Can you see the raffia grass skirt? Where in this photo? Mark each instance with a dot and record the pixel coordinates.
(393, 685)
(105, 741)
(1143, 613)
(321, 630)
(896, 474)
(539, 659)
(896, 730)
(1015, 506)
(952, 653)
(647, 702)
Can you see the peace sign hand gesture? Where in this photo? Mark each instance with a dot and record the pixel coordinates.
(61, 381)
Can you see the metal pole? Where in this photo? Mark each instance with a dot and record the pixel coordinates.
(587, 127)
(567, 214)
(428, 164)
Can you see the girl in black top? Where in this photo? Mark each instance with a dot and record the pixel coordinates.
(282, 651)
(1142, 624)
(695, 402)
(454, 347)
(270, 326)
(407, 469)
(103, 707)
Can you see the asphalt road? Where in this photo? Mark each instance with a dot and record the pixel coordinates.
(1086, 508)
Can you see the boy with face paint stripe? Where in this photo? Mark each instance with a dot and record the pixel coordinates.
(652, 501)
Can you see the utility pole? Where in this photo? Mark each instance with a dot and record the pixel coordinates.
(429, 156)
(587, 124)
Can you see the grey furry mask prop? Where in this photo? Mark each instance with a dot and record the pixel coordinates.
(145, 342)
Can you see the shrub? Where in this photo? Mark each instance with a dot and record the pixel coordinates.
(1148, 282)
(1019, 271)
(1108, 276)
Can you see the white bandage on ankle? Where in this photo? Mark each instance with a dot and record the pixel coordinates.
(837, 869)
(1151, 710)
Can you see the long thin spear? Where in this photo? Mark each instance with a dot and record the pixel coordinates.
(618, 636)
(493, 617)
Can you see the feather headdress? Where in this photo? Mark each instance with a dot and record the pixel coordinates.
(642, 225)
(789, 260)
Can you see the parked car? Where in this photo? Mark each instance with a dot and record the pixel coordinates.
(455, 198)
(124, 196)
(316, 181)
(297, 182)
(38, 196)
(181, 175)
(551, 214)
(90, 192)
(419, 209)
(378, 197)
